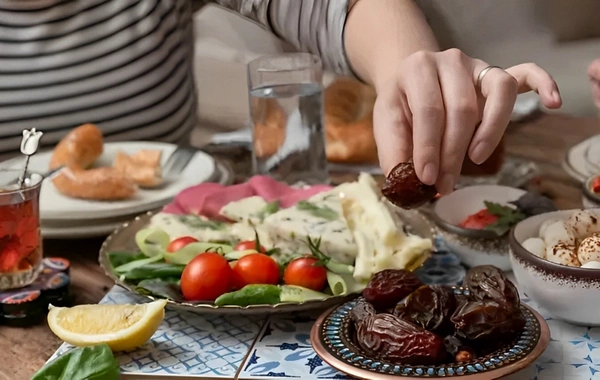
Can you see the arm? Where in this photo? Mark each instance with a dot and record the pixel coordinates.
(379, 34)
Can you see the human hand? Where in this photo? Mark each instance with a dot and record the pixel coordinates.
(432, 111)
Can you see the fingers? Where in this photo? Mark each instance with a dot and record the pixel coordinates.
(500, 90)
(424, 97)
(462, 114)
(530, 77)
(392, 131)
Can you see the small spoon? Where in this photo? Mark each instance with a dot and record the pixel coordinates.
(29, 146)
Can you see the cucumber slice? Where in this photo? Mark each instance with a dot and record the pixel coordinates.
(293, 293)
(236, 255)
(187, 253)
(152, 241)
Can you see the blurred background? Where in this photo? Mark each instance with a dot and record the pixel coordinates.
(561, 36)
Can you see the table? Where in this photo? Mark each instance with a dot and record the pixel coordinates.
(543, 140)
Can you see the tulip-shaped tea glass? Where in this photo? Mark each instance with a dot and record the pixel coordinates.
(20, 239)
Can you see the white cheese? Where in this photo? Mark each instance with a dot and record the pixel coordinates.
(378, 232)
(289, 229)
(190, 225)
(246, 209)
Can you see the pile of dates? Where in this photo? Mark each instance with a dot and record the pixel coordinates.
(400, 320)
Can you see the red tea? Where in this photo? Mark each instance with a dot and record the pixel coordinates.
(19, 236)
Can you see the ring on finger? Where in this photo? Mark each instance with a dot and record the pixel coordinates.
(484, 72)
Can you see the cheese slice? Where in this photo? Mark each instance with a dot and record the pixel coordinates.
(378, 233)
(246, 209)
(289, 229)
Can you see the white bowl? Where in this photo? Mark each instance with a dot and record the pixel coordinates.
(474, 247)
(571, 294)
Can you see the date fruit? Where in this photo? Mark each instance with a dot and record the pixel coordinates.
(458, 351)
(390, 286)
(403, 188)
(488, 283)
(390, 338)
(429, 307)
(361, 310)
(486, 321)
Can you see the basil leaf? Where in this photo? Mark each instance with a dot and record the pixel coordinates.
(166, 288)
(85, 363)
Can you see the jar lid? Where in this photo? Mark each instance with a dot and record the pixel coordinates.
(28, 306)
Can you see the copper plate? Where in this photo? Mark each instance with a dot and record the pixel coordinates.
(123, 240)
(331, 340)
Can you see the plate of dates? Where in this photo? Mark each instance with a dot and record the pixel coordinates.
(401, 328)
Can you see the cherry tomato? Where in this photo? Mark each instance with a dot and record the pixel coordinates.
(305, 272)
(255, 268)
(247, 245)
(179, 243)
(206, 277)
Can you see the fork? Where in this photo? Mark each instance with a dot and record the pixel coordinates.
(178, 160)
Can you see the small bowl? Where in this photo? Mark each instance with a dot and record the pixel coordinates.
(567, 293)
(589, 198)
(474, 247)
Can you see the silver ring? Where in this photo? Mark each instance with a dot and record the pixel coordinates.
(484, 72)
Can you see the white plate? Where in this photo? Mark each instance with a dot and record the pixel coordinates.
(575, 163)
(55, 206)
(92, 228)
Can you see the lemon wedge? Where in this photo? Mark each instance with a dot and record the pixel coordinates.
(121, 327)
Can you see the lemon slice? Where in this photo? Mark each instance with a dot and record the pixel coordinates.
(122, 327)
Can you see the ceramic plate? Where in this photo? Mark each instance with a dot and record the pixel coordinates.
(583, 160)
(55, 206)
(331, 340)
(123, 240)
(104, 227)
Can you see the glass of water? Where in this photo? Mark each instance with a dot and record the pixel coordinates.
(286, 106)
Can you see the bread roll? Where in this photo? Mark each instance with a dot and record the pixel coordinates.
(79, 149)
(349, 122)
(144, 167)
(269, 127)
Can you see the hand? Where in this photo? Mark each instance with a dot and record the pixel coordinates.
(432, 111)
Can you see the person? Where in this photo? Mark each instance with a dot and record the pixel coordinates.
(126, 65)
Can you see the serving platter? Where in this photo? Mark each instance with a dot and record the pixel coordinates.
(332, 341)
(123, 240)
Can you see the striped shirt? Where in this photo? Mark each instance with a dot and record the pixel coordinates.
(125, 65)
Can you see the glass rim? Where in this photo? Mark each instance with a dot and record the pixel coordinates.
(4, 193)
(315, 60)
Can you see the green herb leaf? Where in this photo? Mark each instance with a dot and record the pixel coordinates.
(85, 363)
(165, 288)
(117, 259)
(508, 217)
(195, 221)
(315, 250)
(153, 271)
(318, 211)
(268, 209)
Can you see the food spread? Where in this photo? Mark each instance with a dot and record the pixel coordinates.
(403, 321)
(573, 242)
(270, 243)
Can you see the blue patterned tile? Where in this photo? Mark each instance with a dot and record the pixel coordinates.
(189, 344)
(283, 351)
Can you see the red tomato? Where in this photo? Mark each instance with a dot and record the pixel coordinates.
(206, 277)
(179, 243)
(479, 220)
(248, 245)
(255, 268)
(305, 272)
(596, 185)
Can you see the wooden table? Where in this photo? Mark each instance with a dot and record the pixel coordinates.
(543, 140)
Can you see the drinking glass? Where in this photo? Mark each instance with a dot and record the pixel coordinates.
(20, 239)
(286, 107)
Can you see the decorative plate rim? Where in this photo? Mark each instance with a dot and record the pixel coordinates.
(317, 337)
(210, 307)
